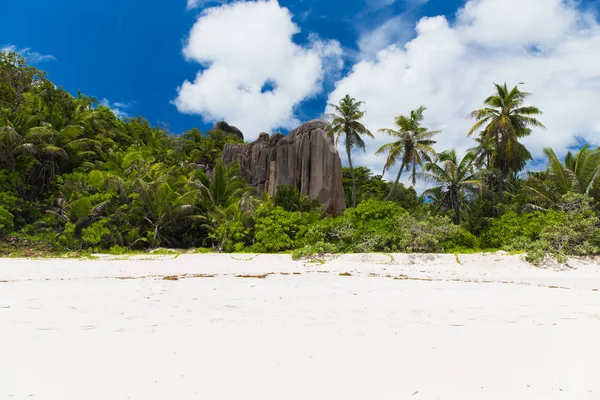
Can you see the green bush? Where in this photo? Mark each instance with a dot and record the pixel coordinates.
(117, 250)
(6, 221)
(276, 230)
(378, 226)
(313, 251)
(290, 199)
(67, 238)
(231, 236)
(97, 234)
(577, 233)
(514, 231)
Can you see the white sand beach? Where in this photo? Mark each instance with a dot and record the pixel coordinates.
(478, 327)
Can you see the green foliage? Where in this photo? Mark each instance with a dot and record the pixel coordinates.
(379, 226)
(504, 120)
(578, 233)
(412, 145)
(6, 221)
(346, 125)
(117, 250)
(314, 251)
(67, 238)
(75, 177)
(97, 234)
(369, 186)
(277, 230)
(231, 236)
(289, 198)
(96, 180)
(514, 231)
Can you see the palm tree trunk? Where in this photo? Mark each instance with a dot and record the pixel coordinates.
(349, 152)
(456, 207)
(501, 185)
(395, 182)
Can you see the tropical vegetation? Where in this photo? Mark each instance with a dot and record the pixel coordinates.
(74, 177)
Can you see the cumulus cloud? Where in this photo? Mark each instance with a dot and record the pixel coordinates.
(549, 44)
(395, 30)
(32, 57)
(254, 74)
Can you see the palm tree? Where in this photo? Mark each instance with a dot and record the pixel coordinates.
(54, 142)
(579, 173)
(12, 143)
(225, 189)
(455, 179)
(505, 120)
(345, 123)
(168, 209)
(412, 147)
(222, 196)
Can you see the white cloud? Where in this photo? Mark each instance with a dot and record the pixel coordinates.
(192, 4)
(548, 44)
(395, 30)
(242, 47)
(118, 108)
(32, 57)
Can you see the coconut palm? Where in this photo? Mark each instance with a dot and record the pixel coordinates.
(411, 148)
(12, 143)
(168, 210)
(345, 123)
(504, 121)
(55, 142)
(578, 173)
(225, 189)
(455, 180)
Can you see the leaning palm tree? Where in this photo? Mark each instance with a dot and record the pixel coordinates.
(412, 147)
(504, 121)
(345, 123)
(455, 181)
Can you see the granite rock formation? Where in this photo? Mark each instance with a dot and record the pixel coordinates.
(306, 158)
(225, 127)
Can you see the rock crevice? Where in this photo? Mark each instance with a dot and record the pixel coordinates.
(306, 158)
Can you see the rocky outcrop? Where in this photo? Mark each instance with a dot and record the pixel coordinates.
(225, 127)
(306, 158)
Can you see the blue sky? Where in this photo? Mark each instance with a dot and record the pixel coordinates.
(129, 51)
(394, 54)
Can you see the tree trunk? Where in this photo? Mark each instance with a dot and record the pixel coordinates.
(349, 152)
(456, 208)
(395, 182)
(501, 186)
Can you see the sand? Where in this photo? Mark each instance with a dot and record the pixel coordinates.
(356, 327)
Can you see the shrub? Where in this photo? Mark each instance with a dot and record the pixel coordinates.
(276, 230)
(576, 233)
(6, 221)
(514, 231)
(432, 234)
(314, 251)
(231, 236)
(97, 234)
(290, 199)
(117, 250)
